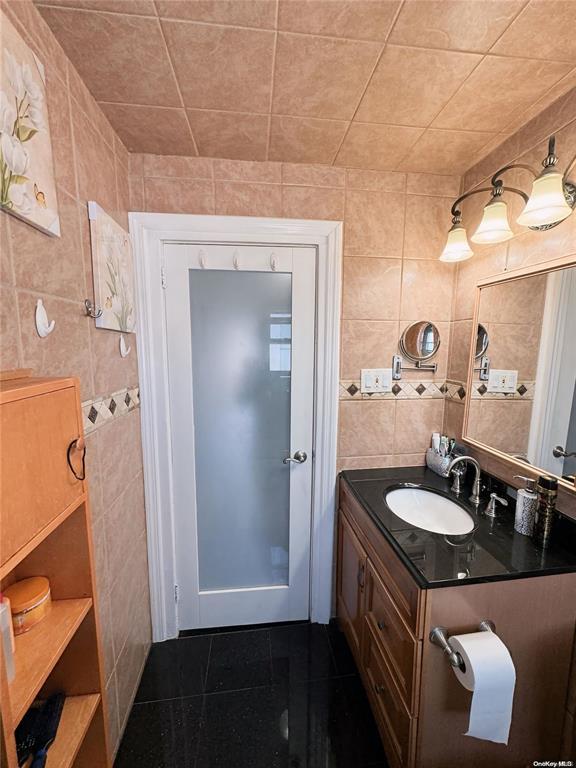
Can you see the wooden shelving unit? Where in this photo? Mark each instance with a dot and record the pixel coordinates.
(46, 531)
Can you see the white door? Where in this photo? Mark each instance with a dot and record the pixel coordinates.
(240, 336)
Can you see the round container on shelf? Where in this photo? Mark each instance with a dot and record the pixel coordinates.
(30, 601)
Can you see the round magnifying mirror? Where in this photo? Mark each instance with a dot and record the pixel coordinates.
(420, 341)
(481, 341)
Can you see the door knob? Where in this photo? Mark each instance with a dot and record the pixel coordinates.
(299, 458)
(562, 453)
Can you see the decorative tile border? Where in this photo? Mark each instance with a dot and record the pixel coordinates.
(103, 409)
(424, 390)
(401, 390)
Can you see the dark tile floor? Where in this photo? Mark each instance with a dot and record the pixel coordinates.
(280, 697)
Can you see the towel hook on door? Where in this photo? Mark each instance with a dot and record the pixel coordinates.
(236, 259)
(273, 262)
(202, 258)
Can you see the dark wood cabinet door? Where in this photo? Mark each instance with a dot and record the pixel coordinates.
(352, 562)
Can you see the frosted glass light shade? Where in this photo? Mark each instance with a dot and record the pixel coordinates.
(494, 227)
(457, 247)
(547, 204)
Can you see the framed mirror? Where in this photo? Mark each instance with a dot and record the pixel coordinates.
(526, 409)
(420, 341)
(482, 341)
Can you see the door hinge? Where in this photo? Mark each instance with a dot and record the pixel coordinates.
(175, 593)
(163, 274)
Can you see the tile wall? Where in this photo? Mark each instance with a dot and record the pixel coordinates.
(91, 163)
(394, 226)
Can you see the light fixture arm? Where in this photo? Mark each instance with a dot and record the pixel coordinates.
(496, 189)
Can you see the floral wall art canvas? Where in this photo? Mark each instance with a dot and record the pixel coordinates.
(113, 272)
(28, 188)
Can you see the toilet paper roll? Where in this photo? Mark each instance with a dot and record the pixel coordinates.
(491, 675)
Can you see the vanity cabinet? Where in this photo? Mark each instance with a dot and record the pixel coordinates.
(421, 709)
(352, 560)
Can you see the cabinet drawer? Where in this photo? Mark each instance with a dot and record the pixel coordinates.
(399, 647)
(37, 484)
(396, 724)
(399, 582)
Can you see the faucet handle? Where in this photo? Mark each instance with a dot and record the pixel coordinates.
(491, 510)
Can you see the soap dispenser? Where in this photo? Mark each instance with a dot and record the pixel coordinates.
(526, 506)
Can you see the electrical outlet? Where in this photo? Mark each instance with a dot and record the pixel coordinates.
(375, 380)
(502, 381)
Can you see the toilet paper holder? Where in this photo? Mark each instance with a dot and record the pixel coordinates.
(439, 636)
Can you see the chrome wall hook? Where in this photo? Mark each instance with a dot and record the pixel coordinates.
(92, 310)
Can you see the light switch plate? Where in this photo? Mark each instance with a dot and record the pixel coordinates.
(375, 380)
(502, 381)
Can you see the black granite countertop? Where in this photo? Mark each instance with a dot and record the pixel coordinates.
(493, 551)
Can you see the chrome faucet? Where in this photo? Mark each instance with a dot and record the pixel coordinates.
(475, 497)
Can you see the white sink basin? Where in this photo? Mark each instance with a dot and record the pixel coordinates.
(429, 511)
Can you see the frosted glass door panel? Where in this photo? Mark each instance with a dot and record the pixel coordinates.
(241, 370)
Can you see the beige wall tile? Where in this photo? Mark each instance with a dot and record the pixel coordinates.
(225, 77)
(362, 19)
(136, 193)
(140, 7)
(249, 13)
(454, 24)
(120, 451)
(10, 356)
(112, 372)
(60, 271)
(312, 203)
(379, 181)
(517, 301)
(415, 422)
(366, 427)
(128, 671)
(411, 85)
(313, 175)
(146, 128)
(235, 198)
(371, 289)
(485, 262)
(378, 462)
(125, 524)
(321, 77)
(106, 628)
(112, 704)
(553, 27)
(233, 170)
(428, 220)
(179, 196)
(367, 344)
(453, 419)
(95, 164)
(305, 139)
(460, 341)
(176, 166)
(374, 223)
(426, 290)
(129, 582)
(81, 98)
(102, 45)
(61, 132)
(432, 184)
(230, 134)
(379, 147)
(66, 351)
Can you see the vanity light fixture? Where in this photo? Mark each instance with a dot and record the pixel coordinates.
(553, 198)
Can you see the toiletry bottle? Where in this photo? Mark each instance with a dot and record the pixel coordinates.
(547, 489)
(526, 505)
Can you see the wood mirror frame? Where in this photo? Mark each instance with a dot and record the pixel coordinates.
(514, 465)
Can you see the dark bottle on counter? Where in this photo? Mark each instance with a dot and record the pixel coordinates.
(547, 489)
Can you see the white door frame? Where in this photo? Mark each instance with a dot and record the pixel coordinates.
(150, 231)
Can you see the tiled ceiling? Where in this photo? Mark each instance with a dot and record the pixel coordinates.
(419, 85)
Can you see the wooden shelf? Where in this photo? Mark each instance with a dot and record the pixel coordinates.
(22, 553)
(76, 718)
(38, 651)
